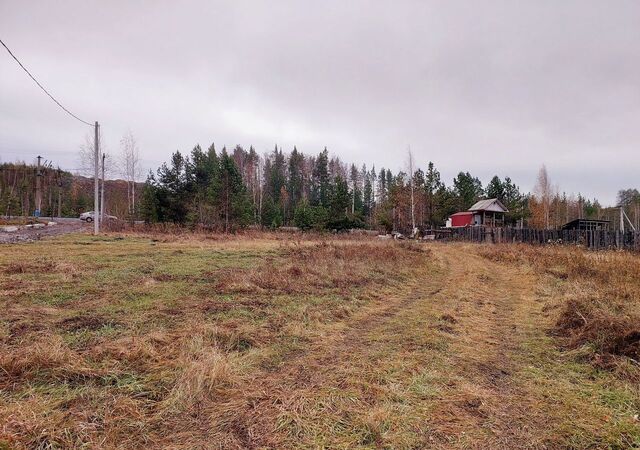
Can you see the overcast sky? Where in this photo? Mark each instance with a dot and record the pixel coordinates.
(482, 86)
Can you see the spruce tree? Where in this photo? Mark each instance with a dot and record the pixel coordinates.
(295, 182)
(320, 188)
(468, 189)
(234, 204)
(495, 189)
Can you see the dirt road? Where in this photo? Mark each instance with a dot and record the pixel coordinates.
(64, 226)
(461, 358)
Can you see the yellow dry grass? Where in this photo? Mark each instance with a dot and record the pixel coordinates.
(277, 341)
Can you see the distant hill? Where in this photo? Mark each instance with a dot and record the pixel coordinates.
(63, 193)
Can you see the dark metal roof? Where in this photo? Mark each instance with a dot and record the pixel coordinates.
(577, 222)
(490, 204)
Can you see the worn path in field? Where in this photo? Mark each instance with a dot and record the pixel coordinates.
(494, 308)
(442, 362)
(478, 402)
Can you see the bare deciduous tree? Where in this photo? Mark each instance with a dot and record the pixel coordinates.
(130, 167)
(543, 191)
(86, 156)
(86, 160)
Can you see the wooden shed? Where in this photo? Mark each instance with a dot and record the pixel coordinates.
(487, 213)
(587, 225)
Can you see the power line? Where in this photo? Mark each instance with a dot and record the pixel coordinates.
(41, 87)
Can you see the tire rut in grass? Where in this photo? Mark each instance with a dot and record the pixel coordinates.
(254, 414)
(484, 406)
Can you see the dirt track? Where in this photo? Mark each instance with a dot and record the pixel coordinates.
(474, 331)
(35, 234)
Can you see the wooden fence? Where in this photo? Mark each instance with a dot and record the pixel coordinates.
(594, 240)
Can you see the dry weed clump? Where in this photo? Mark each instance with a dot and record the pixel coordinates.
(32, 424)
(92, 420)
(169, 232)
(28, 267)
(600, 308)
(68, 270)
(204, 370)
(587, 321)
(46, 358)
(143, 353)
(308, 268)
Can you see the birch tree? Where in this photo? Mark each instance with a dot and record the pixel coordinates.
(543, 192)
(130, 167)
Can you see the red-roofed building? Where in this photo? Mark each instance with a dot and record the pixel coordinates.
(488, 213)
(461, 219)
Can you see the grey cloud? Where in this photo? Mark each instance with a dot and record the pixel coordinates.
(489, 87)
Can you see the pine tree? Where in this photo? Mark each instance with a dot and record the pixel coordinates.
(356, 190)
(495, 189)
(295, 183)
(320, 188)
(468, 189)
(202, 170)
(432, 185)
(271, 214)
(340, 203)
(277, 174)
(514, 201)
(303, 216)
(230, 193)
(149, 205)
(367, 207)
(174, 193)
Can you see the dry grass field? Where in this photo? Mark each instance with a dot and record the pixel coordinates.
(264, 341)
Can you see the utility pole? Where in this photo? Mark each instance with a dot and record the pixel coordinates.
(96, 206)
(622, 218)
(102, 193)
(59, 192)
(38, 189)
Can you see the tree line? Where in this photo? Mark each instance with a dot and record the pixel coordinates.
(230, 190)
(227, 190)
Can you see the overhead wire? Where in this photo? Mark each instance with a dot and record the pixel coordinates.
(42, 87)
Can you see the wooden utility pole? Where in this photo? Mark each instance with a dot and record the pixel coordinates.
(38, 189)
(96, 206)
(59, 192)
